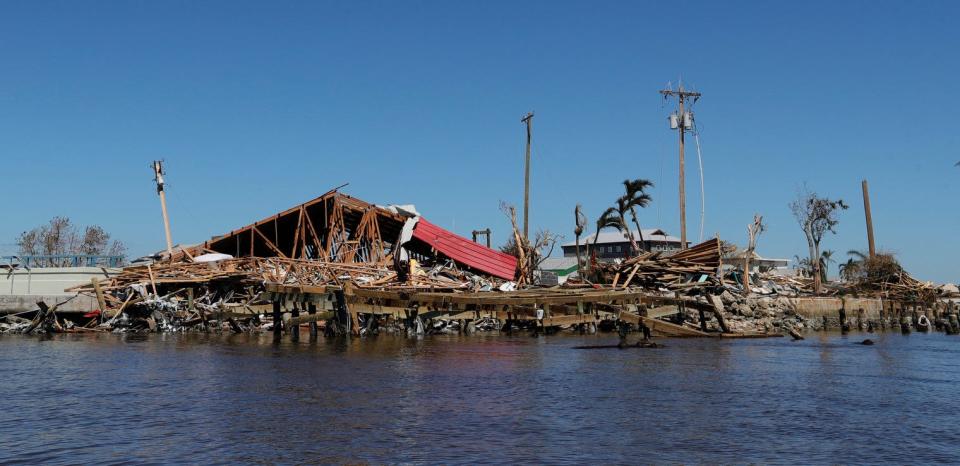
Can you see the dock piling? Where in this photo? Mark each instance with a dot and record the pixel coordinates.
(295, 329)
(312, 310)
(277, 320)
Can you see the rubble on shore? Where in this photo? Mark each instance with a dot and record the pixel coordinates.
(336, 245)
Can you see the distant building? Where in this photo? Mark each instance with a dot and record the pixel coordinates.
(613, 244)
(561, 267)
(734, 261)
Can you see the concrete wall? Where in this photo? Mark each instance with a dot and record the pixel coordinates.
(830, 307)
(21, 289)
(20, 303)
(48, 281)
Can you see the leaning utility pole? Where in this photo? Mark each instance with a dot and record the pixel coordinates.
(158, 177)
(866, 211)
(528, 119)
(681, 121)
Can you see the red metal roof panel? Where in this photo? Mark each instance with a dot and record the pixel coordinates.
(466, 252)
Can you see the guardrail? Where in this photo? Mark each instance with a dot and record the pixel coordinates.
(62, 260)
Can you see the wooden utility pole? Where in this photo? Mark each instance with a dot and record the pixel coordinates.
(158, 177)
(682, 96)
(866, 211)
(528, 120)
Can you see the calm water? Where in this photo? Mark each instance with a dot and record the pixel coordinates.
(240, 399)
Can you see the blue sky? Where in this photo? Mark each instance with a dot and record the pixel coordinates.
(259, 106)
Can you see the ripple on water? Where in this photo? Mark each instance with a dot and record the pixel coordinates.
(450, 399)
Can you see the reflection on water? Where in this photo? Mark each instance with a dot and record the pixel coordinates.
(451, 399)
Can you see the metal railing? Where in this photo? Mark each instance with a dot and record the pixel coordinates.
(62, 260)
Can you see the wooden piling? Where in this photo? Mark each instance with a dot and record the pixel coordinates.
(295, 329)
(904, 320)
(312, 310)
(954, 322)
(343, 315)
(277, 319)
(844, 326)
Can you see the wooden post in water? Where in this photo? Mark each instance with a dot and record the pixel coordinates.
(295, 329)
(904, 320)
(343, 316)
(277, 319)
(887, 314)
(954, 322)
(844, 326)
(312, 310)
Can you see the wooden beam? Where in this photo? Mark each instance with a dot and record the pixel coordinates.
(313, 233)
(270, 243)
(568, 320)
(100, 300)
(294, 322)
(296, 234)
(718, 311)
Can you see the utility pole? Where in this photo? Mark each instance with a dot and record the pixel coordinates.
(682, 121)
(866, 211)
(528, 119)
(158, 177)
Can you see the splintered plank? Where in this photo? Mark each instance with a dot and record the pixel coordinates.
(661, 327)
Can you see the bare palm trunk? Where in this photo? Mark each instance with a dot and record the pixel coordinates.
(746, 274)
(633, 243)
(592, 250)
(578, 257)
(815, 265)
(643, 243)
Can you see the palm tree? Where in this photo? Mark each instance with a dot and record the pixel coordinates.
(802, 264)
(859, 255)
(608, 219)
(621, 210)
(849, 269)
(854, 265)
(634, 196)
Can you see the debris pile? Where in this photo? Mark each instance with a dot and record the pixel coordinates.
(883, 276)
(229, 293)
(695, 267)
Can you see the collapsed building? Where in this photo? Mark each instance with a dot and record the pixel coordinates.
(345, 266)
(348, 266)
(340, 229)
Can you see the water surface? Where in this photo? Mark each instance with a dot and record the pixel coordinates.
(478, 399)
